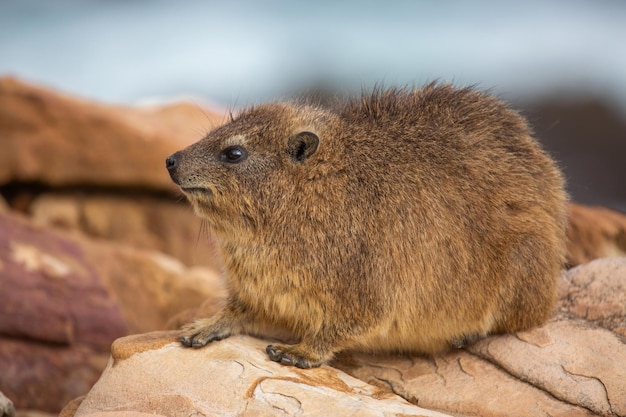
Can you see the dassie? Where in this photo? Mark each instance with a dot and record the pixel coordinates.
(405, 221)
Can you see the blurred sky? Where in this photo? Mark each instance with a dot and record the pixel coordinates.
(242, 52)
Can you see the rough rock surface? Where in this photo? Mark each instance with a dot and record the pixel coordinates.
(595, 232)
(153, 374)
(573, 361)
(66, 299)
(596, 292)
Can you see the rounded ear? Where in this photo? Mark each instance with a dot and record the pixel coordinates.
(302, 145)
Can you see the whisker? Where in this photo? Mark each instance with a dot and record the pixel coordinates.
(203, 231)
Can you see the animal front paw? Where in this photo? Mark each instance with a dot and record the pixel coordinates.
(294, 356)
(204, 331)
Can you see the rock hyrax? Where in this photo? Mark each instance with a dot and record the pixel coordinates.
(405, 221)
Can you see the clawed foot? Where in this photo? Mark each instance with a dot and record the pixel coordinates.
(292, 356)
(465, 341)
(202, 332)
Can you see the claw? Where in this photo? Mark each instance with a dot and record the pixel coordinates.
(185, 341)
(284, 358)
(273, 353)
(198, 343)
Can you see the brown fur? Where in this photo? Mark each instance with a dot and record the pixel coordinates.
(423, 218)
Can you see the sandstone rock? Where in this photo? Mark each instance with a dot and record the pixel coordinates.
(147, 222)
(154, 374)
(571, 360)
(41, 131)
(595, 232)
(458, 383)
(66, 298)
(596, 292)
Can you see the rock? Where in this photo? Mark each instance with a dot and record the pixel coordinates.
(70, 408)
(44, 377)
(596, 292)
(568, 367)
(209, 307)
(595, 232)
(6, 407)
(66, 298)
(570, 359)
(153, 374)
(34, 413)
(50, 290)
(41, 130)
(116, 186)
(148, 222)
(152, 287)
(458, 383)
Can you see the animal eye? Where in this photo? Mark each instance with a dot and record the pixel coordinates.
(233, 154)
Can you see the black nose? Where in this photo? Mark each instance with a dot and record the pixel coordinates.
(171, 163)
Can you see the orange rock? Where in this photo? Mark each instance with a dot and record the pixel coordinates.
(57, 140)
(459, 383)
(595, 232)
(112, 158)
(147, 222)
(596, 292)
(230, 377)
(584, 365)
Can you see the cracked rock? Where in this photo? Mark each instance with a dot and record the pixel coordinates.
(585, 364)
(152, 373)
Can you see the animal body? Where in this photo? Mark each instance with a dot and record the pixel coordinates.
(408, 220)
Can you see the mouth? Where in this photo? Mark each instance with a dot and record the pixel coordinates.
(196, 190)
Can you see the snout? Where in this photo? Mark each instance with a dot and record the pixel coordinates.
(171, 163)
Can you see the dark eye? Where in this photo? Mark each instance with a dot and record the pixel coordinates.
(233, 154)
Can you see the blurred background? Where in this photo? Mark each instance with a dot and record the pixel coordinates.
(561, 62)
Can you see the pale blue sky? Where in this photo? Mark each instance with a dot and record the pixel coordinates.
(242, 52)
